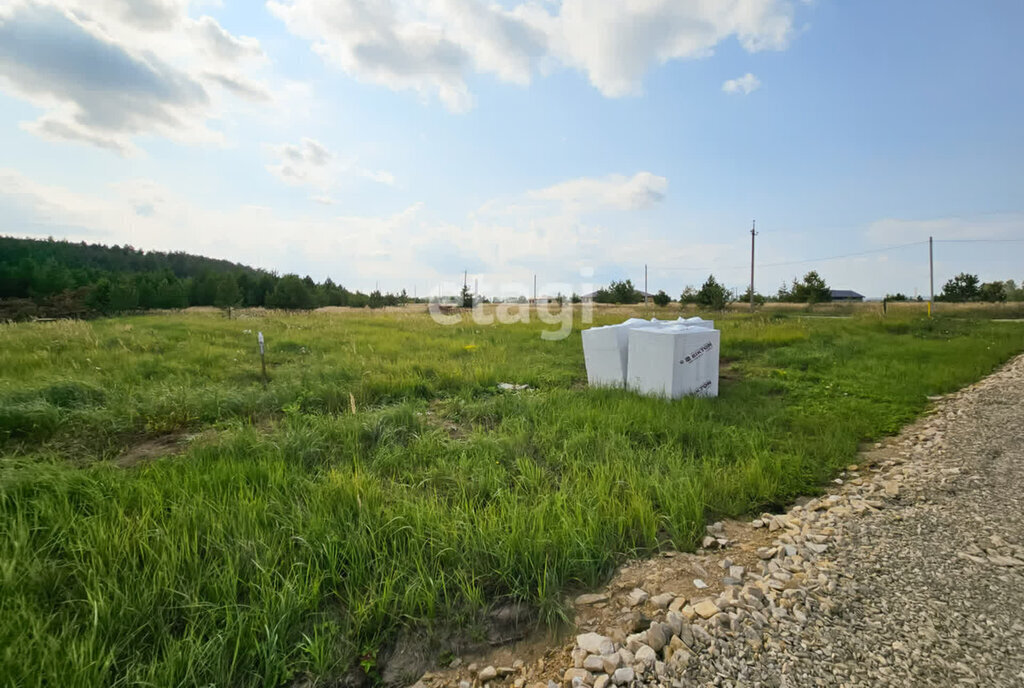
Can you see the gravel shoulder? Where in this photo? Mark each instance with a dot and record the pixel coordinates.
(909, 573)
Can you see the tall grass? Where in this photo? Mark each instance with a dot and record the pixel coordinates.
(293, 538)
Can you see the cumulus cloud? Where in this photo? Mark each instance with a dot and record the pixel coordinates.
(302, 164)
(221, 45)
(615, 191)
(428, 48)
(434, 46)
(96, 91)
(310, 163)
(742, 85)
(107, 71)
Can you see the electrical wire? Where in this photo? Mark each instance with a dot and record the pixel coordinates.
(845, 255)
(798, 262)
(975, 241)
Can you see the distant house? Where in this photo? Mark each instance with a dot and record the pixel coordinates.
(846, 295)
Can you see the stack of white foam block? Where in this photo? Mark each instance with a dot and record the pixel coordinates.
(605, 351)
(668, 358)
(673, 361)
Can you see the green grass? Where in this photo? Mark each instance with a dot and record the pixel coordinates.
(293, 539)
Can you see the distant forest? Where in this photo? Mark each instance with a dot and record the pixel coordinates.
(50, 278)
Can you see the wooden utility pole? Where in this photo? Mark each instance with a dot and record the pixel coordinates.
(753, 233)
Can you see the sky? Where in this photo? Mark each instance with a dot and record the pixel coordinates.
(402, 143)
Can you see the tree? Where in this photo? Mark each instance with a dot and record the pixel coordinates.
(575, 298)
(759, 299)
(467, 296)
(661, 298)
(689, 295)
(290, 292)
(811, 290)
(994, 292)
(170, 292)
(784, 294)
(619, 292)
(963, 287)
(1013, 292)
(99, 297)
(713, 295)
(228, 294)
(898, 296)
(204, 289)
(123, 296)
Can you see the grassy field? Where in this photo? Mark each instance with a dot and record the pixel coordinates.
(291, 538)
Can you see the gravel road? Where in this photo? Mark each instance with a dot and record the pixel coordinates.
(932, 591)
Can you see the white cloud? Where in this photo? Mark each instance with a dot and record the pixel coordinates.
(304, 164)
(310, 163)
(615, 191)
(433, 46)
(107, 71)
(742, 85)
(221, 45)
(615, 42)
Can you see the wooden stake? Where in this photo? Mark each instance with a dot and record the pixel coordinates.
(263, 359)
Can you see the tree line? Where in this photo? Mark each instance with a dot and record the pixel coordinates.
(715, 295)
(60, 278)
(967, 287)
(811, 289)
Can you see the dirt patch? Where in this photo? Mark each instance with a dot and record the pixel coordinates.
(153, 448)
(507, 632)
(436, 416)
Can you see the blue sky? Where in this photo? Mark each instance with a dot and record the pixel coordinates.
(402, 142)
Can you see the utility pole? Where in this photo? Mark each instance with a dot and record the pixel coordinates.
(645, 284)
(931, 278)
(535, 288)
(753, 233)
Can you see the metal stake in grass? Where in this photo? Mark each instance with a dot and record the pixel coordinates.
(263, 359)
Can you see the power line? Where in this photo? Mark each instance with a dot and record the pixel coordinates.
(975, 241)
(798, 262)
(845, 255)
